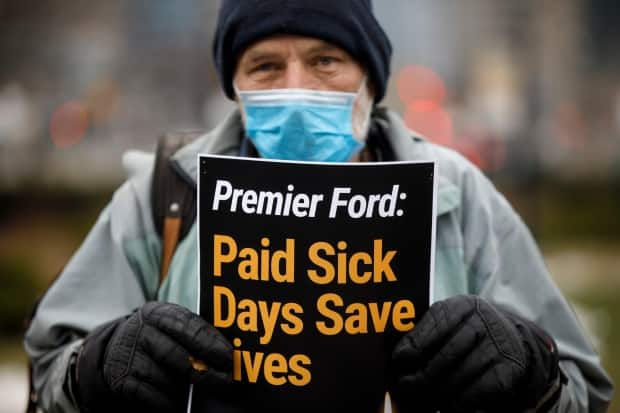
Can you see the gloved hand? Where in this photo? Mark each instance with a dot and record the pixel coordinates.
(146, 361)
(466, 355)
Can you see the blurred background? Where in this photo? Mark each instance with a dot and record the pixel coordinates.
(528, 90)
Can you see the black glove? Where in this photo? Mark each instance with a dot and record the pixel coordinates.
(146, 361)
(466, 355)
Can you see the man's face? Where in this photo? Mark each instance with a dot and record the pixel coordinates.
(298, 62)
(287, 61)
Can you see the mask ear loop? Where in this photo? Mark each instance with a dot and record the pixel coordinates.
(363, 102)
(240, 103)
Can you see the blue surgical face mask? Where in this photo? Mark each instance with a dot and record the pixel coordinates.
(300, 124)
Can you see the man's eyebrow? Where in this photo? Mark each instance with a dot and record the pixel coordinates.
(259, 55)
(322, 48)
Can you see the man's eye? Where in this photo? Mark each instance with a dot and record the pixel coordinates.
(325, 60)
(264, 67)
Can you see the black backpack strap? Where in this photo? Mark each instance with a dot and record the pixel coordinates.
(173, 198)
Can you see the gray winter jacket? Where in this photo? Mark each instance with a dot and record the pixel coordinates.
(482, 247)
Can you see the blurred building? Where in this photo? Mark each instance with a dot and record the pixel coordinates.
(528, 88)
(527, 92)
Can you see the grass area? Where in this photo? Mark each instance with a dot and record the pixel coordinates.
(588, 273)
(40, 232)
(12, 352)
(19, 291)
(604, 303)
(560, 212)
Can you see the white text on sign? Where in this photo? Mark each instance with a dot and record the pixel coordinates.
(342, 201)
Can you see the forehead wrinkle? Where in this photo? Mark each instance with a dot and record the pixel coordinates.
(265, 50)
(315, 46)
(260, 55)
(323, 46)
(285, 45)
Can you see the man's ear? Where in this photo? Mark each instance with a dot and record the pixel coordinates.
(236, 90)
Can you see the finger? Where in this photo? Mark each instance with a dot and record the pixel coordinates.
(486, 393)
(197, 336)
(470, 368)
(176, 360)
(210, 345)
(145, 397)
(212, 377)
(460, 346)
(158, 375)
(144, 368)
(436, 329)
(504, 333)
(162, 348)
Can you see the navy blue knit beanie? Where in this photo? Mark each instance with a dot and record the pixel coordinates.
(349, 24)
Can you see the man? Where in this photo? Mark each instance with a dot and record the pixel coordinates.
(500, 337)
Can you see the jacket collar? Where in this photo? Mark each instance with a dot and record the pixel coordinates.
(409, 146)
(225, 139)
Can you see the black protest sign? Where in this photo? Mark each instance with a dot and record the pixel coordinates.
(313, 272)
